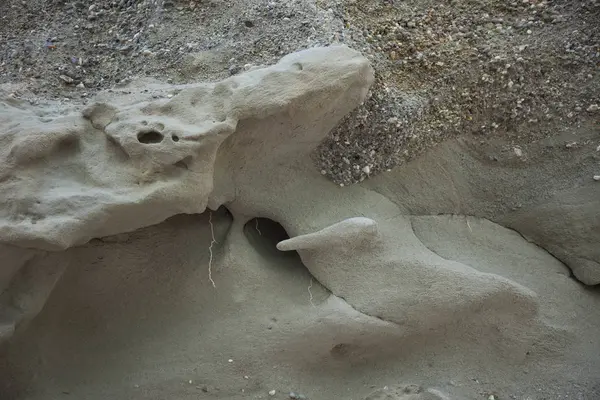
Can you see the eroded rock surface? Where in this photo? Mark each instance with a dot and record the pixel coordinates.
(128, 161)
(71, 175)
(370, 284)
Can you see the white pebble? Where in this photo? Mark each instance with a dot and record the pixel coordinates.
(593, 108)
(597, 178)
(518, 151)
(366, 169)
(230, 360)
(272, 392)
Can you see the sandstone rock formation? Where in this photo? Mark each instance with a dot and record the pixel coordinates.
(383, 282)
(70, 175)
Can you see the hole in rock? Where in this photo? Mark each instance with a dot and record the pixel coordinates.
(175, 138)
(264, 234)
(150, 137)
(288, 276)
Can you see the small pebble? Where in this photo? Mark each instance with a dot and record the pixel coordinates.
(593, 108)
(518, 152)
(66, 79)
(272, 392)
(597, 178)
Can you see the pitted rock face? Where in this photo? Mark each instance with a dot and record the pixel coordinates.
(129, 160)
(156, 141)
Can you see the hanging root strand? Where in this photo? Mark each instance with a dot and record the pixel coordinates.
(210, 251)
(256, 223)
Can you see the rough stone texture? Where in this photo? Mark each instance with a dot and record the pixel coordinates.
(198, 304)
(117, 167)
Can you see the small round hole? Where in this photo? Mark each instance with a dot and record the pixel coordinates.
(175, 138)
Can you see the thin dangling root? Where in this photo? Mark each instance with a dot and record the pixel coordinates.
(212, 242)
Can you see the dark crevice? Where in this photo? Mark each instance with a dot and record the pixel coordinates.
(264, 234)
(150, 137)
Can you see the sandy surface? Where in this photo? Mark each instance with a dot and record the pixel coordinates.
(135, 316)
(468, 271)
